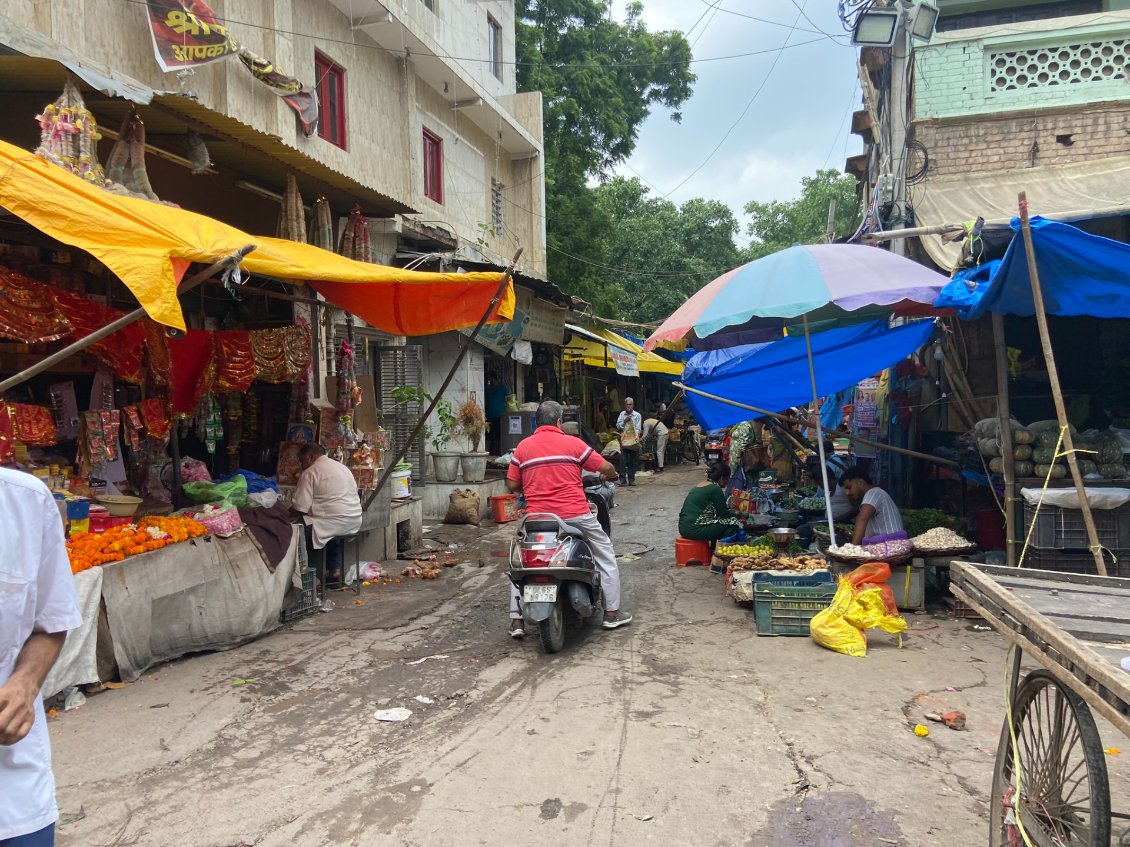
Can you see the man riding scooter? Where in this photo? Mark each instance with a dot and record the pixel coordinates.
(547, 468)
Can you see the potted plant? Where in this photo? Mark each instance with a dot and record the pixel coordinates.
(445, 463)
(472, 423)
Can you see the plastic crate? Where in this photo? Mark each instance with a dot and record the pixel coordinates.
(307, 602)
(1063, 529)
(787, 609)
(1077, 561)
(793, 579)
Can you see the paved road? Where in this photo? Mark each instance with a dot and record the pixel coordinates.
(683, 729)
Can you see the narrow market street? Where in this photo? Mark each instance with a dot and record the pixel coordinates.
(684, 728)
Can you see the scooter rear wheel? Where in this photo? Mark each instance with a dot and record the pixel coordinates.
(551, 631)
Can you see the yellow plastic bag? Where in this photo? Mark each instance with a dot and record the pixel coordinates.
(869, 611)
(840, 626)
(829, 628)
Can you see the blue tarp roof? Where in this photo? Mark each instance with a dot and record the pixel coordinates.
(774, 376)
(1080, 274)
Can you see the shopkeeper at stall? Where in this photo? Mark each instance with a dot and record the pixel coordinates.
(753, 461)
(842, 507)
(878, 519)
(326, 498)
(705, 515)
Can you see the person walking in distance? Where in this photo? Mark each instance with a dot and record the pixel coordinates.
(38, 605)
(547, 468)
(630, 426)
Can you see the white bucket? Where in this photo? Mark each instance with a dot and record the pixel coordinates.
(401, 484)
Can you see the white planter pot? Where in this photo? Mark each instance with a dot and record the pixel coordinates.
(446, 466)
(474, 466)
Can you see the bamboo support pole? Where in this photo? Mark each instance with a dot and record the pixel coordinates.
(1057, 392)
(942, 229)
(838, 433)
(418, 428)
(1007, 457)
(828, 490)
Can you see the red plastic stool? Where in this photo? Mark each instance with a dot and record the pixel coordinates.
(689, 551)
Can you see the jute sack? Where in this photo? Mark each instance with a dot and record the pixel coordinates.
(463, 507)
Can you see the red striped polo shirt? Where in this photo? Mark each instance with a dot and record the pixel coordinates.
(549, 464)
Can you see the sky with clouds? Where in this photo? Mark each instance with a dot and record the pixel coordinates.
(798, 122)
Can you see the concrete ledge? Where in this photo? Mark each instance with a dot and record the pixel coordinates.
(437, 495)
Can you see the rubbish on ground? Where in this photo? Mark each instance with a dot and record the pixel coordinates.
(1112, 751)
(954, 720)
(1126, 663)
(921, 731)
(421, 661)
(393, 715)
(358, 602)
(370, 571)
(427, 701)
(627, 557)
(643, 817)
(73, 698)
(239, 681)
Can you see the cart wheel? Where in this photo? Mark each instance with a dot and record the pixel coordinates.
(1064, 793)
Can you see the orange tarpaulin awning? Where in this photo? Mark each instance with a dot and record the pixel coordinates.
(149, 245)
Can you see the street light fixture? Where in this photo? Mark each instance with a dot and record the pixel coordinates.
(879, 27)
(923, 20)
(876, 28)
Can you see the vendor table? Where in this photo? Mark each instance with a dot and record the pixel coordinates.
(209, 593)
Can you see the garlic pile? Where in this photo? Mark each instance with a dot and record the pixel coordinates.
(940, 538)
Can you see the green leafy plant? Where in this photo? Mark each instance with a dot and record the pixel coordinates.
(444, 411)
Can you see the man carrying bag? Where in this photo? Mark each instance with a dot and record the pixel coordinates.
(629, 424)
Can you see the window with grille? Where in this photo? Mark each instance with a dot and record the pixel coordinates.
(1041, 67)
(494, 46)
(433, 166)
(497, 219)
(401, 365)
(330, 83)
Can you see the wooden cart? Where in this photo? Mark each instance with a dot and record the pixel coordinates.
(1077, 627)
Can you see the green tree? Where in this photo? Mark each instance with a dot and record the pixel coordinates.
(804, 220)
(600, 79)
(674, 249)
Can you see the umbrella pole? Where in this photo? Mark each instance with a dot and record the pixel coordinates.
(819, 434)
(1057, 393)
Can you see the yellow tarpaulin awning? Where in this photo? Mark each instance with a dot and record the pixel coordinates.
(149, 245)
(592, 346)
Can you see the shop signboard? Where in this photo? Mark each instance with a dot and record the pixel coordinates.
(499, 338)
(625, 362)
(187, 34)
(865, 414)
(546, 323)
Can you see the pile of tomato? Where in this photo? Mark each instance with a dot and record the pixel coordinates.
(88, 549)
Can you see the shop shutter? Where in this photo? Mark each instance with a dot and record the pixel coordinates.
(401, 366)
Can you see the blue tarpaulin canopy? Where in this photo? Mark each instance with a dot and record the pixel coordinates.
(1080, 274)
(774, 376)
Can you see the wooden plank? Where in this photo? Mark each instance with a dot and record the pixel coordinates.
(1091, 629)
(1002, 571)
(1118, 716)
(1116, 680)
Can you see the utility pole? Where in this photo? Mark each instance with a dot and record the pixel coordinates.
(899, 106)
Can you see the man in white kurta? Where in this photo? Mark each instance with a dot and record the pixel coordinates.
(326, 496)
(38, 604)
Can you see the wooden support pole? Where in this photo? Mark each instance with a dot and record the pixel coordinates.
(1057, 392)
(418, 428)
(1007, 457)
(838, 433)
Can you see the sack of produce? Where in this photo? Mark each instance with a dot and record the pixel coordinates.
(1025, 469)
(1023, 436)
(1043, 426)
(1110, 452)
(1044, 455)
(863, 601)
(1112, 471)
(996, 465)
(1022, 452)
(1088, 467)
(988, 447)
(463, 507)
(1054, 471)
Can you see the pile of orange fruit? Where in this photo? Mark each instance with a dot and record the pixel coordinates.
(88, 549)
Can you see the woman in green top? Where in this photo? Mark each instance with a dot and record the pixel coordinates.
(705, 515)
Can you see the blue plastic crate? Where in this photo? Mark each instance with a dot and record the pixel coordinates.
(794, 579)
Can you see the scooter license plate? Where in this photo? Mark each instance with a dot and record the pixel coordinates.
(539, 593)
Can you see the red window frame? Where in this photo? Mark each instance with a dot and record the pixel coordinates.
(433, 166)
(330, 80)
